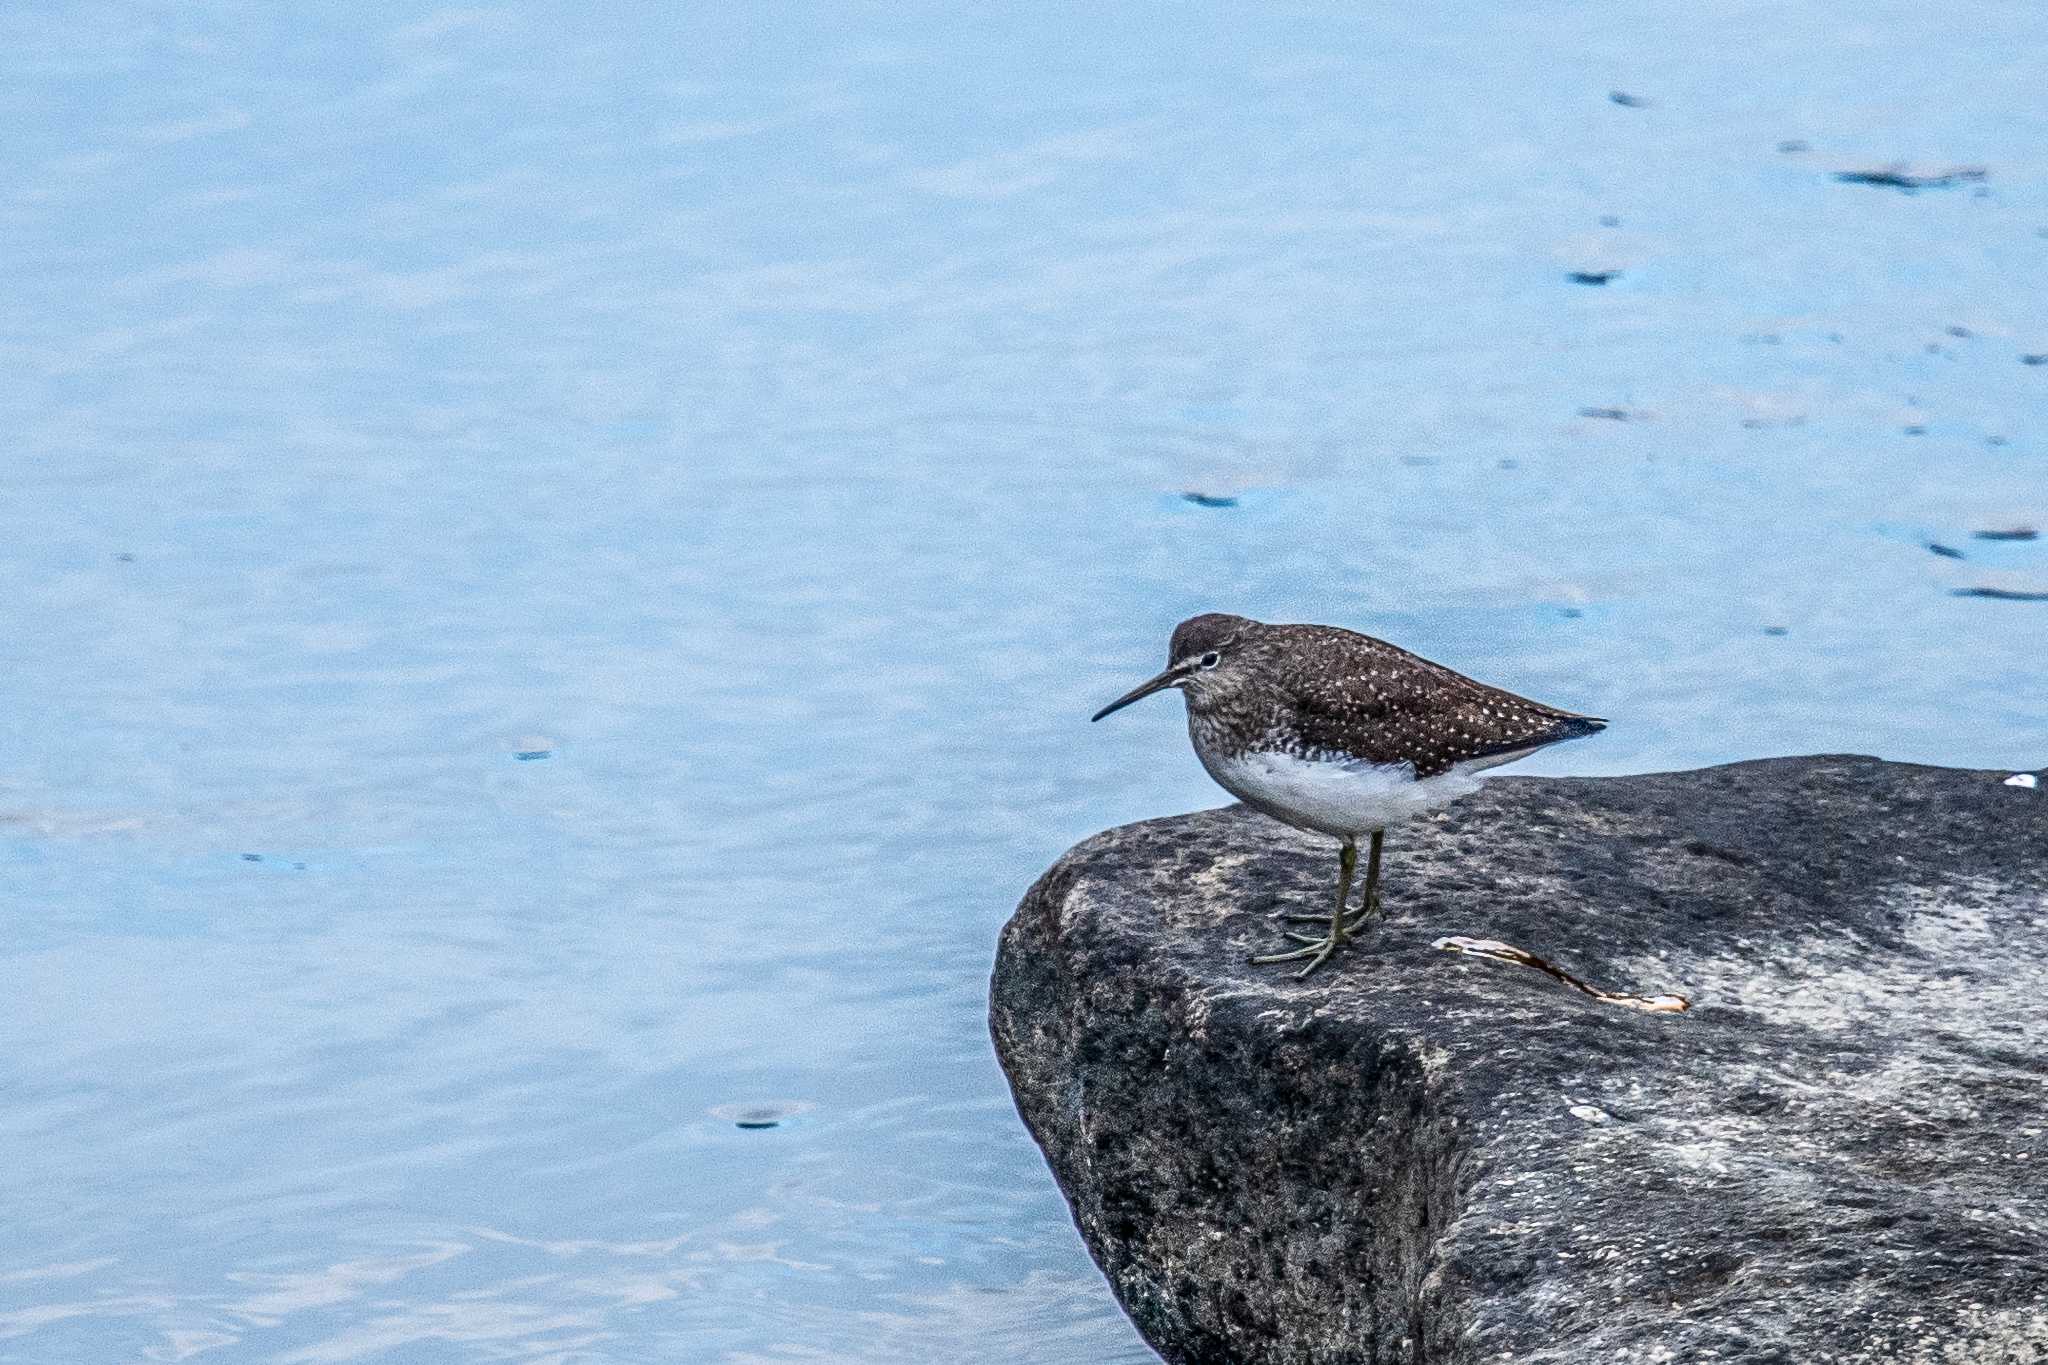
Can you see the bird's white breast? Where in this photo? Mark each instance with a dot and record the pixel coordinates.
(1340, 795)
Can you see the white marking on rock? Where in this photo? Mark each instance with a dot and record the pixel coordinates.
(2027, 780)
(1521, 957)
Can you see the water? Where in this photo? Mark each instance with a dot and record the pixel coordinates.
(773, 424)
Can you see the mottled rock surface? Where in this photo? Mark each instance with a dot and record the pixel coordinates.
(1839, 1155)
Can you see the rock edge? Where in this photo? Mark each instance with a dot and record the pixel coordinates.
(1840, 1154)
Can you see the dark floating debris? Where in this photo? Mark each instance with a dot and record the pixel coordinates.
(125, 557)
(1913, 430)
(1996, 441)
(1209, 500)
(252, 857)
(1609, 220)
(1592, 276)
(760, 1113)
(2038, 358)
(1945, 551)
(1902, 178)
(1961, 332)
(1608, 414)
(2002, 594)
(1777, 630)
(529, 755)
(1794, 144)
(1628, 101)
(2009, 533)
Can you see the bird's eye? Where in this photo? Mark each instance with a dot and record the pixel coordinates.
(1211, 659)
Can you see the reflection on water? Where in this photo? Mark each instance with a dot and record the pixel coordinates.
(557, 567)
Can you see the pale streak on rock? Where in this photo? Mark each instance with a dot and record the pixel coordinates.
(1522, 957)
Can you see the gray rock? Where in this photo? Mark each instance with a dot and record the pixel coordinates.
(1839, 1155)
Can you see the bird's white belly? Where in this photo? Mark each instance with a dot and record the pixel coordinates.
(1340, 796)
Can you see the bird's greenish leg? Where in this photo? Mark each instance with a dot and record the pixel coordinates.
(1371, 905)
(1319, 950)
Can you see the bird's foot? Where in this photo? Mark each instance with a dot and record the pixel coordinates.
(1318, 950)
(1353, 924)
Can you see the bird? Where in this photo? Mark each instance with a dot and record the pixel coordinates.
(1341, 734)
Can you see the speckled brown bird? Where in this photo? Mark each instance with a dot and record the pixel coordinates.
(1335, 732)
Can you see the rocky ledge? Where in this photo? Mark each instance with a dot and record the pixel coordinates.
(1840, 1154)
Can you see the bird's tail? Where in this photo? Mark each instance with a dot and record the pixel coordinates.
(1578, 727)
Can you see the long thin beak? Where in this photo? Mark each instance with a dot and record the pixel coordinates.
(1143, 689)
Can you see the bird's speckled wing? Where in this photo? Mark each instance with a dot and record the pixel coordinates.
(1374, 700)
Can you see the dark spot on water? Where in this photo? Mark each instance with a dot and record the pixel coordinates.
(1209, 500)
(1961, 332)
(1914, 431)
(1777, 630)
(252, 857)
(125, 557)
(2002, 594)
(1910, 181)
(1592, 276)
(1610, 414)
(1628, 101)
(1996, 441)
(1570, 613)
(1419, 461)
(298, 867)
(1609, 220)
(2037, 358)
(529, 755)
(1945, 551)
(2009, 533)
(757, 1114)
(1794, 144)
(1510, 464)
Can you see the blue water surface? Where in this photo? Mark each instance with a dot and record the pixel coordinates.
(556, 560)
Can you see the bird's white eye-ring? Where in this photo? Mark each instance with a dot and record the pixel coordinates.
(1211, 659)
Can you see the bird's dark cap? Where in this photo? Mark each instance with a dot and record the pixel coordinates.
(1210, 630)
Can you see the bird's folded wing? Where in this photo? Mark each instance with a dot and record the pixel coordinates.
(1404, 709)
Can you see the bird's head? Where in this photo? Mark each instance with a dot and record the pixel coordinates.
(1198, 659)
